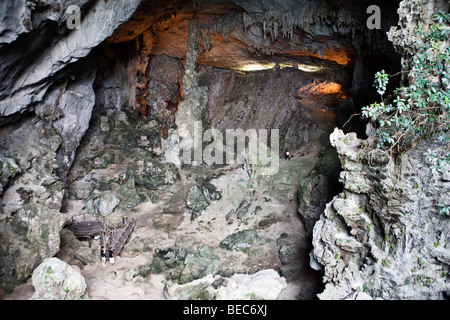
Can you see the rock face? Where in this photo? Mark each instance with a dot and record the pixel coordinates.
(9, 169)
(288, 95)
(316, 190)
(64, 48)
(384, 235)
(411, 16)
(54, 279)
(31, 237)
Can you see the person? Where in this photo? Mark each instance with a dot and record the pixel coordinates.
(286, 154)
(124, 219)
(111, 256)
(103, 255)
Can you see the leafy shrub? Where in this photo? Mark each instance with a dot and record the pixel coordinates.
(422, 108)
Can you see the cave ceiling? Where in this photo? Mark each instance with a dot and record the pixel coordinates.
(244, 35)
(326, 40)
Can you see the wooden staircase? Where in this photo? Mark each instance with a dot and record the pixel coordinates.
(118, 240)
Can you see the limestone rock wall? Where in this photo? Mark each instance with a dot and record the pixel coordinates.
(413, 14)
(384, 235)
(45, 46)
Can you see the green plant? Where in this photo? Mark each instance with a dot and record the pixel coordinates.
(365, 288)
(254, 296)
(423, 108)
(420, 262)
(436, 158)
(444, 208)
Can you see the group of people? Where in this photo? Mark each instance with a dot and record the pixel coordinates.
(110, 254)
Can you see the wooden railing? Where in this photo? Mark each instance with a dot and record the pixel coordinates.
(119, 238)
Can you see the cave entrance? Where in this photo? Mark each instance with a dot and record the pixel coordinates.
(244, 65)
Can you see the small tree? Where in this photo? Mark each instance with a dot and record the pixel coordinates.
(422, 108)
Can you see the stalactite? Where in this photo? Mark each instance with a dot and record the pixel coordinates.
(306, 17)
(205, 36)
(192, 50)
(247, 21)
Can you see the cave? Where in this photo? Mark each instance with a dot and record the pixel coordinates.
(256, 58)
(312, 69)
(300, 67)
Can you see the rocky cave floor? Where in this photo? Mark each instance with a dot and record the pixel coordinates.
(259, 218)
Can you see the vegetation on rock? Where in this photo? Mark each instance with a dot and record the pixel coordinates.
(422, 108)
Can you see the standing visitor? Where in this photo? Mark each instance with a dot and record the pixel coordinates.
(111, 256)
(103, 255)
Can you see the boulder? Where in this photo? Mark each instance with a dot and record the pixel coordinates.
(129, 194)
(54, 279)
(199, 198)
(210, 191)
(185, 265)
(199, 264)
(263, 285)
(152, 174)
(80, 190)
(199, 289)
(106, 204)
(33, 235)
(135, 247)
(242, 240)
(139, 273)
(196, 200)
